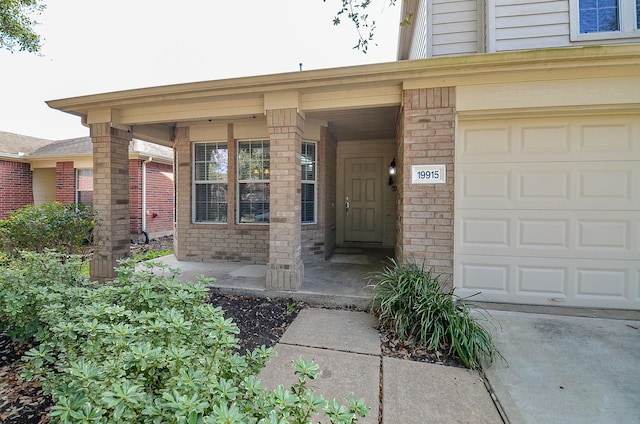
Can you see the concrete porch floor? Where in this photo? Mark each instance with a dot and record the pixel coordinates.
(341, 280)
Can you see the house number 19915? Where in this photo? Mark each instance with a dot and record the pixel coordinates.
(428, 174)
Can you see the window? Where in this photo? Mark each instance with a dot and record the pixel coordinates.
(598, 16)
(210, 167)
(84, 186)
(309, 179)
(253, 181)
(604, 19)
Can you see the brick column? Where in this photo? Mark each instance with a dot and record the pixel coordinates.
(426, 210)
(65, 182)
(110, 198)
(285, 270)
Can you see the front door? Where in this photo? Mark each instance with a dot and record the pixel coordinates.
(363, 200)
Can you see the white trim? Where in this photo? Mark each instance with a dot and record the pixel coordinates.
(314, 182)
(626, 18)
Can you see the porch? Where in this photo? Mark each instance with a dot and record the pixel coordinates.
(342, 280)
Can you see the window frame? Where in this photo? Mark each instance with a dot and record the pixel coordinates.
(627, 18)
(314, 182)
(195, 182)
(78, 190)
(239, 181)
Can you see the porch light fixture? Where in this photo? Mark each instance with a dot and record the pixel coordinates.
(392, 172)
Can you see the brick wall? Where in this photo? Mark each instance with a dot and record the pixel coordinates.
(425, 224)
(135, 196)
(16, 190)
(159, 198)
(211, 242)
(65, 182)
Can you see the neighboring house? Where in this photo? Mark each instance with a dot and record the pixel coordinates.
(36, 171)
(516, 174)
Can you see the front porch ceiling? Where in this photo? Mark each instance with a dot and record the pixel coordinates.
(360, 124)
(350, 124)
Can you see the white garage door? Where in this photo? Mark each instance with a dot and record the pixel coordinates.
(548, 210)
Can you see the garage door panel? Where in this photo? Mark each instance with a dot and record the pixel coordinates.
(549, 281)
(602, 184)
(599, 234)
(486, 233)
(601, 283)
(549, 140)
(567, 234)
(485, 277)
(542, 281)
(581, 185)
(606, 137)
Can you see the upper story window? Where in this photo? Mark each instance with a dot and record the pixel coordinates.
(309, 182)
(604, 19)
(210, 167)
(254, 163)
(84, 186)
(599, 16)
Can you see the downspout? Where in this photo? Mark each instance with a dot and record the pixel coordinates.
(144, 198)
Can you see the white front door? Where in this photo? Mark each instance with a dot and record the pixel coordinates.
(363, 200)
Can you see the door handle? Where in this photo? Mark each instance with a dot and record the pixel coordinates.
(346, 205)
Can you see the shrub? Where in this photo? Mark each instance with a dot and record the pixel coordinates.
(147, 348)
(66, 228)
(411, 302)
(28, 283)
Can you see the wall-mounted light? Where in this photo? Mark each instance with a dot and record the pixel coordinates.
(392, 172)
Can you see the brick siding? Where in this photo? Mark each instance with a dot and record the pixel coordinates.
(160, 187)
(135, 196)
(65, 182)
(110, 198)
(285, 270)
(425, 211)
(213, 242)
(16, 190)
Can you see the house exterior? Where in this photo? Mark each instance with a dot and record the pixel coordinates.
(454, 27)
(36, 171)
(515, 174)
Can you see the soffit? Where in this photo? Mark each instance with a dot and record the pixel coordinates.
(360, 124)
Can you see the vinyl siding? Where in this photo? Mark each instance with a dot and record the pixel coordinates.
(419, 48)
(531, 24)
(454, 27)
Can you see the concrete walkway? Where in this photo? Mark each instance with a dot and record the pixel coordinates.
(346, 346)
(566, 369)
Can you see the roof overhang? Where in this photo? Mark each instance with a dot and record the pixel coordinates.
(153, 113)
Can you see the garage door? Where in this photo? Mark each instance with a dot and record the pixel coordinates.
(548, 210)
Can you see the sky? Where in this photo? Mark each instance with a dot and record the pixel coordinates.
(98, 46)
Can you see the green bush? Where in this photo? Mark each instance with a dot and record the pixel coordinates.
(147, 348)
(66, 228)
(30, 281)
(411, 302)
